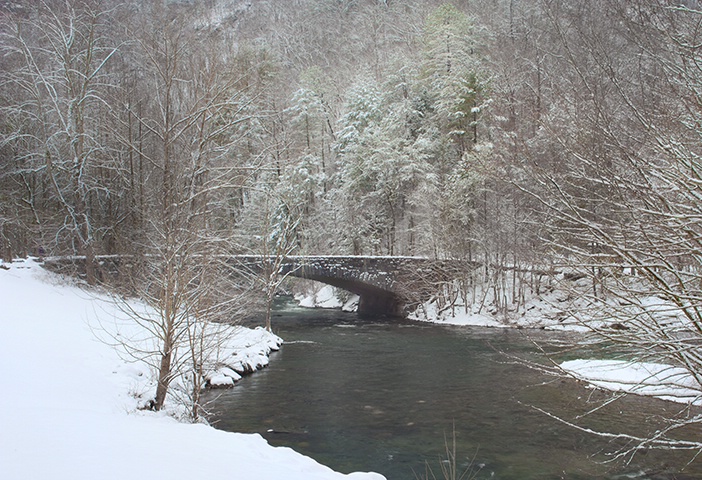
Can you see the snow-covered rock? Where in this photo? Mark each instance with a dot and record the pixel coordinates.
(246, 351)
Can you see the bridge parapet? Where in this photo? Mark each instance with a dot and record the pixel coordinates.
(378, 272)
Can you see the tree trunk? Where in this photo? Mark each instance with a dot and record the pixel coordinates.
(164, 376)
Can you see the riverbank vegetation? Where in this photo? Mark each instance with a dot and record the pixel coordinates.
(535, 138)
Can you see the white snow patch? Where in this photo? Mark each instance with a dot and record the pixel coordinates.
(457, 316)
(551, 308)
(68, 408)
(351, 304)
(246, 350)
(325, 297)
(650, 379)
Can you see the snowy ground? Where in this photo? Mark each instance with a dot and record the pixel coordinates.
(68, 410)
(327, 296)
(550, 309)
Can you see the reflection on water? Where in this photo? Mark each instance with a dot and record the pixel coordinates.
(383, 395)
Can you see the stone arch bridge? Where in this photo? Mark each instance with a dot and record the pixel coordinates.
(386, 285)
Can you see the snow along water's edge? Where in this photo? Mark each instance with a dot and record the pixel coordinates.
(665, 382)
(69, 411)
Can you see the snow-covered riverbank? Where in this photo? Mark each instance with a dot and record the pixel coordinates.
(69, 408)
(550, 309)
(544, 310)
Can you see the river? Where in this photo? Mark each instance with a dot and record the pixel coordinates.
(383, 395)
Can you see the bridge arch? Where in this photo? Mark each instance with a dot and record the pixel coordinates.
(372, 300)
(384, 284)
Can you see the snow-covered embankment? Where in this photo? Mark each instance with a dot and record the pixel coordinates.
(69, 407)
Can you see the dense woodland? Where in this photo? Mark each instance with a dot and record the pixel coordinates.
(522, 134)
(503, 131)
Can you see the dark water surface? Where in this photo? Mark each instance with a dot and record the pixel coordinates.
(382, 395)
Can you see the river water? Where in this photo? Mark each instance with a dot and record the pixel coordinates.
(383, 395)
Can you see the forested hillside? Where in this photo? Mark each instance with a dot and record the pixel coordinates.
(522, 134)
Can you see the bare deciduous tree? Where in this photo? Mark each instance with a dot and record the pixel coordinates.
(60, 53)
(624, 202)
(192, 106)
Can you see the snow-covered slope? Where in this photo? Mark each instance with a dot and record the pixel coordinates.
(67, 410)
